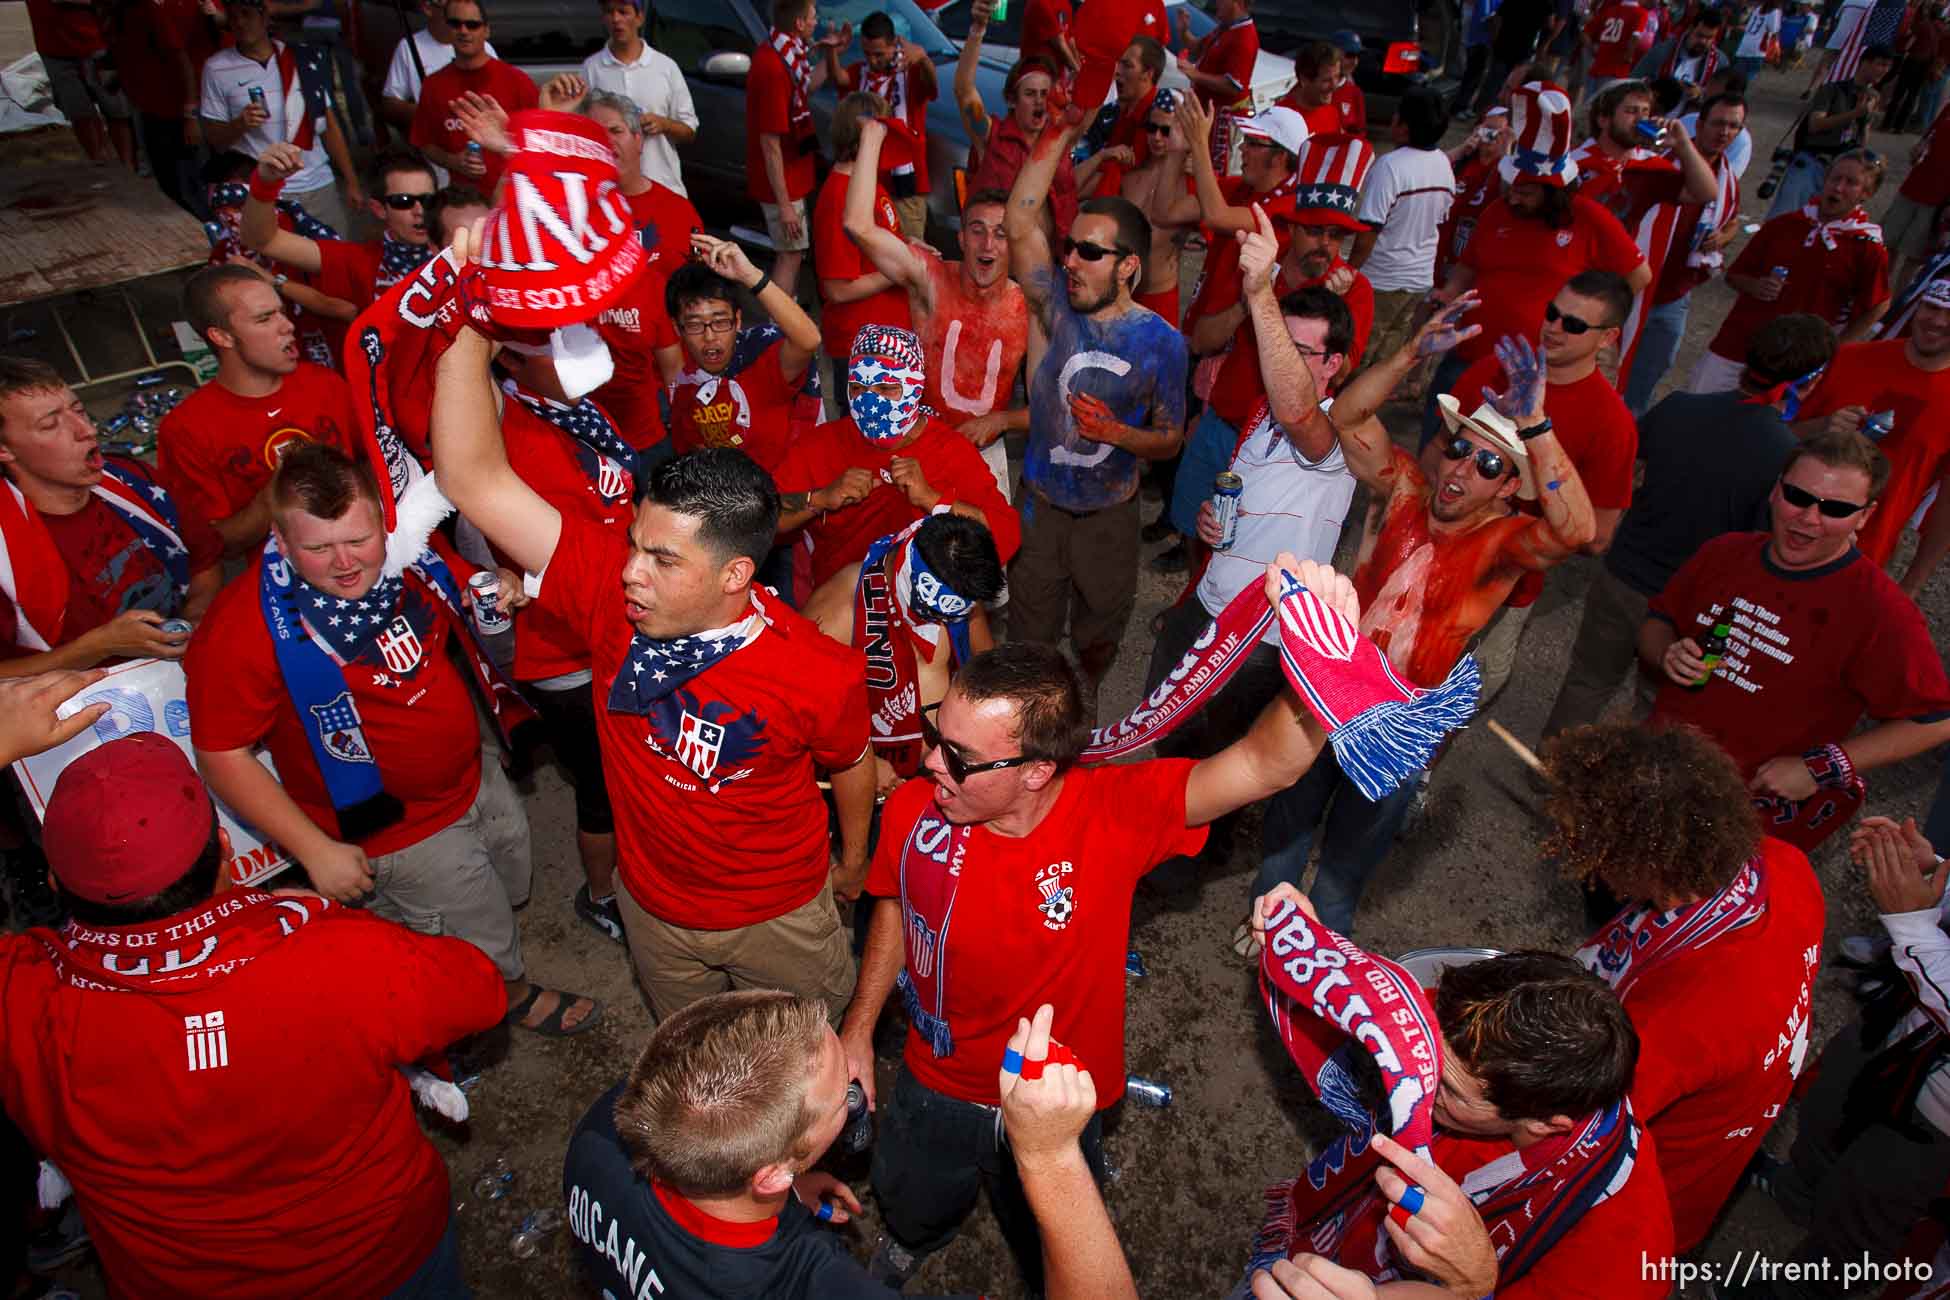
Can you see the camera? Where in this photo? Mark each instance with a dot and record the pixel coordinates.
(1776, 169)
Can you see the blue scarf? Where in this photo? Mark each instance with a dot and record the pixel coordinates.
(165, 540)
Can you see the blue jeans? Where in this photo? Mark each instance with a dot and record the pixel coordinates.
(1447, 372)
(1749, 68)
(439, 1276)
(1805, 173)
(1933, 99)
(1207, 454)
(1665, 329)
(1358, 836)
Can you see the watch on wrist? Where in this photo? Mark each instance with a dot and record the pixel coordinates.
(1536, 430)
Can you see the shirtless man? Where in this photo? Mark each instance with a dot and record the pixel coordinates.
(923, 593)
(1159, 288)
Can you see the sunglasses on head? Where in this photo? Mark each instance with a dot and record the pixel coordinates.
(1572, 324)
(1090, 252)
(467, 24)
(958, 767)
(402, 202)
(1801, 499)
(1490, 464)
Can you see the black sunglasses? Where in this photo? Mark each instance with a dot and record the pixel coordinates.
(1152, 128)
(1490, 464)
(1801, 499)
(467, 24)
(1090, 252)
(401, 202)
(1572, 324)
(958, 767)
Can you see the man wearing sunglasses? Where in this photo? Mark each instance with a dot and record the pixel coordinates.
(1107, 389)
(401, 182)
(438, 131)
(1820, 636)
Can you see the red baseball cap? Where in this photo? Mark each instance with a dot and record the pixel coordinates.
(126, 820)
(560, 245)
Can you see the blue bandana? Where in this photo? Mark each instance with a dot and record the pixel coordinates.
(654, 668)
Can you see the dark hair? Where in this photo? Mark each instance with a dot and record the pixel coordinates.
(1545, 1035)
(481, 5)
(28, 375)
(444, 200)
(1840, 450)
(788, 11)
(1554, 208)
(695, 282)
(1879, 51)
(1022, 68)
(843, 134)
(1649, 814)
(1133, 231)
(1789, 347)
(1605, 103)
(391, 162)
(730, 494)
(878, 26)
(230, 165)
(1710, 16)
(203, 296)
(1151, 54)
(1040, 685)
(1422, 113)
(988, 194)
(1322, 304)
(321, 480)
(1667, 94)
(961, 552)
(1732, 81)
(1728, 98)
(1310, 58)
(196, 884)
(1608, 287)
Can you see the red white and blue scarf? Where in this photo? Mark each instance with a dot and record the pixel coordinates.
(1640, 938)
(609, 463)
(897, 617)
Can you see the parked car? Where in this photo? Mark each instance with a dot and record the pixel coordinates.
(712, 41)
(1403, 42)
(1002, 45)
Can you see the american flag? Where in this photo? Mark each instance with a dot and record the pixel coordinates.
(1863, 25)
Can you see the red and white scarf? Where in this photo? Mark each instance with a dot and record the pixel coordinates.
(1640, 938)
(891, 87)
(1709, 61)
(166, 956)
(300, 127)
(1654, 230)
(798, 63)
(32, 573)
(1858, 223)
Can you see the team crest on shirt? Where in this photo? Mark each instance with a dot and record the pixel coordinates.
(339, 730)
(1057, 900)
(1563, 239)
(711, 738)
(612, 483)
(399, 645)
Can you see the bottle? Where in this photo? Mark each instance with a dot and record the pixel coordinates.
(494, 1183)
(858, 1133)
(1148, 1091)
(534, 1230)
(1713, 648)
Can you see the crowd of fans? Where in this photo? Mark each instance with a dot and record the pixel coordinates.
(816, 609)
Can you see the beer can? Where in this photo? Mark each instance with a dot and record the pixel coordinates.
(257, 96)
(1148, 1091)
(175, 627)
(1779, 273)
(488, 614)
(1879, 426)
(1226, 489)
(858, 1133)
(473, 148)
(1134, 964)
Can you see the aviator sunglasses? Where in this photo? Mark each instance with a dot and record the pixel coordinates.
(1490, 464)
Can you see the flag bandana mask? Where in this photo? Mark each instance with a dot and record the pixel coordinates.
(926, 599)
(1790, 393)
(1641, 938)
(883, 354)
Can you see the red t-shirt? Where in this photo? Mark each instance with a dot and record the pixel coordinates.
(1108, 827)
(64, 31)
(918, 90)
(1521, 263)
(111, 570)
(839, 258)
(545, 644)
(1835, 284)
(1042, 22)
(434, 125)
(749, 411)
(420, 726)
(768, 111)
(331, 1190)
(147, 40)
(1231, 52)
(665, 221)
(635, 327)
(216, 450)
(1004, 153)
(1928, 182)
(1879, 377)
(351, 271)
(1831, 644)
(1723, 1034)
(1616, 33)
(1477, 186)
(755, 847)
(974, 346)
(1220, 283)
(1353, 107)
(1239, 387)
(949, 461)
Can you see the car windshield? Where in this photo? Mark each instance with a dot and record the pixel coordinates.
(953, 19)
(910, 24)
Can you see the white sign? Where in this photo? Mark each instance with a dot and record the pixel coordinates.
(147, 695)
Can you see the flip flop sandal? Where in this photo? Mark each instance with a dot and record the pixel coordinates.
(550, 1025)
(1244, 942)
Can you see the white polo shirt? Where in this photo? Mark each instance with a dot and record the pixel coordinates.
(227, 80)
(656, 85)
(1407, 197)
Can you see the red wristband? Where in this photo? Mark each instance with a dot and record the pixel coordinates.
(263, 190)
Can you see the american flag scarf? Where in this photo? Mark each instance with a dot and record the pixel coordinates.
(1709, 62)
(397, 260)
(1640, 938)
(895, 635)
(300, 123)
(609, 463)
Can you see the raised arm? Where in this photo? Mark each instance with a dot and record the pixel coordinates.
(1029, 253)
(1702, 186)
(1195, 121)
(974, 114)
(1569, 523)
(258, 228)
(801, 336)
(1289, 384)
(1363, 441)
(888, 252)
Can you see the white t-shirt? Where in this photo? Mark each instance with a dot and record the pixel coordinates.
(656, 85)
(227, 80)
(1407, 195)
(1761, 25)
(1289, 504)
(403, 79)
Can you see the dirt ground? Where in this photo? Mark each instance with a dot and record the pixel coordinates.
(1186, 1192)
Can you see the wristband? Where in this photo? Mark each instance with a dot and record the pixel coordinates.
(263, 189)
(1537, 430)
(1829, 765)
(763, 280)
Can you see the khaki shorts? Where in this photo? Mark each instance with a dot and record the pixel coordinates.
(1906, 227)
(775, 227)
(913, 211)
(805, 951)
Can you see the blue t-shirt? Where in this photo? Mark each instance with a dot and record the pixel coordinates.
(1134, 363)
